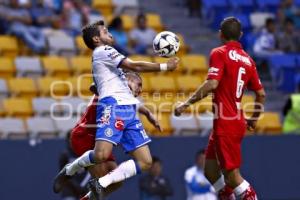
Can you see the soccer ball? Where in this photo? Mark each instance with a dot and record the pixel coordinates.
(166, 44)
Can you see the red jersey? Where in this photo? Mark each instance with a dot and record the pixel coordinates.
(235, 70)
(87, 122)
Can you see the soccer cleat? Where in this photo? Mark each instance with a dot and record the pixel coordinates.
(96, 189)
(60, 180)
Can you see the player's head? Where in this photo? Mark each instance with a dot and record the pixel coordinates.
(96, 34)
(270, 25)
(156, 167)
(135, 83)
(141, 21)
(230, 29)
(200, 158)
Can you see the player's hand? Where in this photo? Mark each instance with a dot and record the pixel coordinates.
(154, 122)
(180, 108)
(173, 63)
(251, 124)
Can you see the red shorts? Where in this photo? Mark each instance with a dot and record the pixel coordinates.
(82, 142)
(226, 149)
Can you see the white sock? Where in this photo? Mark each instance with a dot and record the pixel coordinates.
(83, 161)
(219, 184)
(239, 190)
(124, 171)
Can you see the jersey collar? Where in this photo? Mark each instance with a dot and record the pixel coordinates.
(234, 44)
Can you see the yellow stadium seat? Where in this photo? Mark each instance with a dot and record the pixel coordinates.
(194, 63)
(164, 120)
(188, 83)
(140, 58)
(269, 123)
(56, 66)
(81, 85)
(18, 107)
(162, 83)
(183, 47)
(104, 6)
(146, 84)
(154, 21)
(83, 49)
(50, 86)
(7, 68)
(128, 22)
(160, 103)
(2, 112)
(248, 103)
(8, 46)
(205, 105)
(22, 87)
(81, 64)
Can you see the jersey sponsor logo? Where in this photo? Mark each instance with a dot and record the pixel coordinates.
(119, 124)
(233, 55)
(108, 132)
(213, 71)
(113, 55)
(106, 114)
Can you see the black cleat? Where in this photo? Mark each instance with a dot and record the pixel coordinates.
(96, 189)
(60, 180)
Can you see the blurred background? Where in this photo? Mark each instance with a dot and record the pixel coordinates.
(45, 77)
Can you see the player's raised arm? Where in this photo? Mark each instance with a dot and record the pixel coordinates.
(143, 66)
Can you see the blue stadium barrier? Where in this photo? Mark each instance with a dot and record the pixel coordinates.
(270, 163)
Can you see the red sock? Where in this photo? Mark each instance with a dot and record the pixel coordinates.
(249, 194)
(226, 193)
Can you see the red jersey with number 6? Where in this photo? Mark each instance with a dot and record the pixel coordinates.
(235, 70)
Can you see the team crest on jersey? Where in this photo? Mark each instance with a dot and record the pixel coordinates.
(106, 114)
(233, 55)
(108, 132)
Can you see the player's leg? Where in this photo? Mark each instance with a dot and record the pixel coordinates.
(134, 141)
(214, 174)
(228, 150)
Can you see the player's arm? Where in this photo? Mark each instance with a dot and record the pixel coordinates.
(260, 96)
(215, 74)
(150, 117)
(143, 66)
(207, 87)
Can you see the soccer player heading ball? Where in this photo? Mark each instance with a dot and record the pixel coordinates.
(116, 118)
(231, 71)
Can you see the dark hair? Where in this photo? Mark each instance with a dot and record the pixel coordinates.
(269, 21)
(289, 21)
(89, 31)
(141, 16)
(155, 160)
(231, 28)
(115, 23)
(200, 152)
